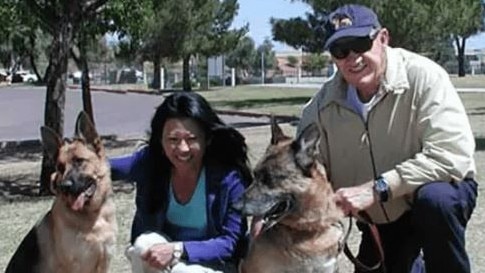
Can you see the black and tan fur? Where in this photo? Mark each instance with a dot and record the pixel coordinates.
(78, 234)
(301, 231)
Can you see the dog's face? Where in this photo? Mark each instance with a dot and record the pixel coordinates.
(284, 181)
(80, 166)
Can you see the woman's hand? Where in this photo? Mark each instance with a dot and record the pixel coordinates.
(159, 255)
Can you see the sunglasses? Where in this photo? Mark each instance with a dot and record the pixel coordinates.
(342, 47)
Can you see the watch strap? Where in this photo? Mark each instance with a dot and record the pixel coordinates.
(178, 250)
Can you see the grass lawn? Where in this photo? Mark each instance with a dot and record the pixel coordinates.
(19, 214)
(258, 99)
(289, 101)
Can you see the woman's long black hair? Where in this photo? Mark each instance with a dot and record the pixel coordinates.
(227, 147)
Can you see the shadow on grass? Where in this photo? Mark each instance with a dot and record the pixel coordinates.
(257, 103)
(26, 187)
(477, 112)
(18, 185)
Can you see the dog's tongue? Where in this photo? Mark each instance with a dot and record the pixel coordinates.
(79, 202)
(256, 226)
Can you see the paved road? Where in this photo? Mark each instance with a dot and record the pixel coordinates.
(126, 115)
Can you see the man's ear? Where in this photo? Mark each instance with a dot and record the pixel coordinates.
(384, 36)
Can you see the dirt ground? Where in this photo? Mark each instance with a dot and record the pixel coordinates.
(20, 209)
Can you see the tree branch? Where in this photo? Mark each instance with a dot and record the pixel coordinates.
(91, 8)
(46, 16)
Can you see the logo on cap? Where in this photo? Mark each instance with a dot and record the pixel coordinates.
(341, 21)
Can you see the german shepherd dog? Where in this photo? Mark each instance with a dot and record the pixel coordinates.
(78, 234)
(301, 230)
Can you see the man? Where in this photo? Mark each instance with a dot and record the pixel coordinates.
(397, 144)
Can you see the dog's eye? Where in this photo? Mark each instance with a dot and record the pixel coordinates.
(264, 177)
(60, 167)
(78, 161)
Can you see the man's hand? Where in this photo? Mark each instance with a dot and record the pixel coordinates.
(159, 255)
(352, 200)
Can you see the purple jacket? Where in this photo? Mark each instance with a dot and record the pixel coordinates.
(227, 229)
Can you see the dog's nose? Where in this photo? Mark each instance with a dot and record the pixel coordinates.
(66, 185)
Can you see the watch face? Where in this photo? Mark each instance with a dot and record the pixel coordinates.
(381, 185)
(177, 250)
(382, 188)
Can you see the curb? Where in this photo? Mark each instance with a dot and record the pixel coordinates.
(34, 144)
(281, 118)
(152, 92)
(6, 146)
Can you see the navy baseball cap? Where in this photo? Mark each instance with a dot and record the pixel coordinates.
(350, 21)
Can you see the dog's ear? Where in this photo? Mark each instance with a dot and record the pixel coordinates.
(85, 129)
(306, 147)
(51, 142)
(277, 134)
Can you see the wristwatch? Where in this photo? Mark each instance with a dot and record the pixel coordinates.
(178, 250)
(381, 187)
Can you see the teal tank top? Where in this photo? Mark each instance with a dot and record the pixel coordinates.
(188, 221)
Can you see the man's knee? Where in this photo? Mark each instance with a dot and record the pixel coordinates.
(438, 201)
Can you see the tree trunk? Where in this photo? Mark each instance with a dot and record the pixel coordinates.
(156, 84)
(56, 94)
(187, 85)
(31, 56)
(460, 45)
(85, 84)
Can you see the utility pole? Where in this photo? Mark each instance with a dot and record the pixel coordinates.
(262, 67)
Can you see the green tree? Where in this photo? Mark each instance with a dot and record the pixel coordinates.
(242, 56)
(63, 20)
(18, 32)
(292, 61)
(315, 63)
(181, 30)
(86, 43)
(462, 19)
(305, 33)
(417, 25)
(265, 57)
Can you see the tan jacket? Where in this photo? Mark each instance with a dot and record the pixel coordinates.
(418, 132)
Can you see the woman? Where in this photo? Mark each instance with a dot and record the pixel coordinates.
(187, 178)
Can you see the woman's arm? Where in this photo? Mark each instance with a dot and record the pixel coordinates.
(122, 167)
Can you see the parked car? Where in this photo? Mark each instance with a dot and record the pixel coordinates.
(76, 77)
(130, 75)
(24, 76)
(5, 76)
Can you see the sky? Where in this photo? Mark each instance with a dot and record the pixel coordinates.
(258, 13)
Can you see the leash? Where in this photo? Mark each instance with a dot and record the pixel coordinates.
(377, 243)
